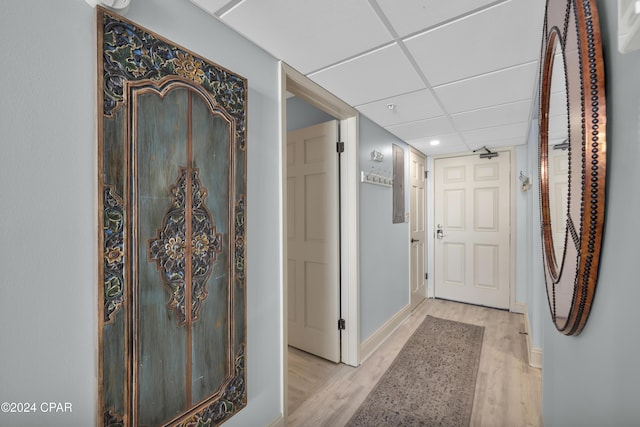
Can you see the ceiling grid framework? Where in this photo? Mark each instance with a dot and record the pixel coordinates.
(461, 72)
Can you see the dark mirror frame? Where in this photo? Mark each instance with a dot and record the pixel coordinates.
(575, 24)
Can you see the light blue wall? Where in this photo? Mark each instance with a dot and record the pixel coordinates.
(592, 379)
(384, 246)
(530, 253)
(301, 114)
(48, 213)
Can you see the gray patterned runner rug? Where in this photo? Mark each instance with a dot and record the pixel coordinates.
(431, 382)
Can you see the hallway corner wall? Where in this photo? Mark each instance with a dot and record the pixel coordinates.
(384, 246)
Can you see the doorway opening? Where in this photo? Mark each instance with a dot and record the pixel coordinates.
(473, 236)
(417, 225)
(294, 83)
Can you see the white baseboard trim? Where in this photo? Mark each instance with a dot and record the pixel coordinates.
(535, 358)
(278, 422)
(519, 307)
(368, 346)
(535, 353)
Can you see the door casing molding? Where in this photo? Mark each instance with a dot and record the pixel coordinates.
(292, 81)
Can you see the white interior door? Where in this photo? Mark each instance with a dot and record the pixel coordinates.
(472, 218)
(312, 252)
(417, 221)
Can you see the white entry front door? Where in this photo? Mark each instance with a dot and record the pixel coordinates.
(313, 240)
(472, 256)
(417, 221)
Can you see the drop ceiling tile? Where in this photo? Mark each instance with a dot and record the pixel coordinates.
(490, 136)
(509, 142)
(455, 149)
(421, 148)
(558, 104)
(513, 112)
(480, 43)
(450, 143)
(558, 83)
(501, 87)
(409, 107)
(558, 118)
(558, 127)
(422, 128)
(309, 35)
(346, 48)
(410, 16)
(377, 75)
(557, 133)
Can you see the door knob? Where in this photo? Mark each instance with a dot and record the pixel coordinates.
(440, 232)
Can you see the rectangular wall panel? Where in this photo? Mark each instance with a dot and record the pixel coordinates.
(453, 174)
(291, 208)
(160, 138)
(486, 215)
(316, 283)
(486, 172)
(454, 209)
(486, 266)
(316, 199)
(454, 263)
(421, 219)
(291, 154)
(314, 151)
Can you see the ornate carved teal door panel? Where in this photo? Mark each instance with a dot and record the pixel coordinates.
(173, 178)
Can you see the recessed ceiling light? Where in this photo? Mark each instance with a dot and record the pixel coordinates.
(391, 106)
(435, 142)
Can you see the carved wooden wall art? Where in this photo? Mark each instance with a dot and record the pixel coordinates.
(172, 176)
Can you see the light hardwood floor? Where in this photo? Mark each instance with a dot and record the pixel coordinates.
(508, 390)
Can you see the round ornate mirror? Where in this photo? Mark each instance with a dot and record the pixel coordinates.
(572, 151)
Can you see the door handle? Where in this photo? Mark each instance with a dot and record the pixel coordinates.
(440, 232)
(414, 240)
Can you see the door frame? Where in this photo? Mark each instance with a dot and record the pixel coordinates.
(301, 86)
(514, 306)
